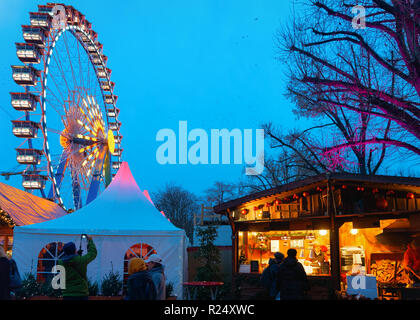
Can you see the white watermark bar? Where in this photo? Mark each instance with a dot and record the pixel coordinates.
(205, 148)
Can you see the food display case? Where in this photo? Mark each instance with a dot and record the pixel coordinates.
(256, 249)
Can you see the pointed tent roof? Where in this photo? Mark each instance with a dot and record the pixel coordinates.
(121, 209)
(25, 208)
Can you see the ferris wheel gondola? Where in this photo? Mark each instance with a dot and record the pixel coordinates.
(71, 140)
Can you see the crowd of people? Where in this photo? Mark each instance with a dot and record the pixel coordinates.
(146, 279)
(285, 278)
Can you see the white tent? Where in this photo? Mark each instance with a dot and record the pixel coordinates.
(122, 216)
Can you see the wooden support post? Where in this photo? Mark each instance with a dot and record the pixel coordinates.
(334, 239)
(234, 250)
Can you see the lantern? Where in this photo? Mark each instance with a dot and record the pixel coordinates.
(410, 195)
(305, 194)
(244, 211)
(381, 203)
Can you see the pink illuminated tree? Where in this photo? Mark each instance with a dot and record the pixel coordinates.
(357, 71)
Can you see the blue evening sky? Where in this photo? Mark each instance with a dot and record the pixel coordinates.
(209, 62)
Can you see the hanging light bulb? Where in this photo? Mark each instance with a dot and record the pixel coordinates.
(323, 232)
(354, 231)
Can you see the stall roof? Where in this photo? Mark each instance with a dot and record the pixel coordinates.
(318, 179)
(25, 208)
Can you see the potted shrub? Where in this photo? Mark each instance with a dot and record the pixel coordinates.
(30, 288)
(169, 291)
(49, 293)
(93, 288)
(33, 290)
(111, 287)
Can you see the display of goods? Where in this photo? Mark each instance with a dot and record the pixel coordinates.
(387, 271)
(403, 275)
(384, 270)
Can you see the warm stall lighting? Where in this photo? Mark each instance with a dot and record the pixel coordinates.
(310, 236)
(323, 232)
(311, 254)
(354, 231)
(302, 254)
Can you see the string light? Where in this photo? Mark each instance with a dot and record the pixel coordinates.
(6, 219)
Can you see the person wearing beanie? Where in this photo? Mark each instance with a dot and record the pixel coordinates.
(136, 265)
(140, 285)
(76, 270)
(157, 271)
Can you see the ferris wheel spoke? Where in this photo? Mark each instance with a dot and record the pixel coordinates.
(58, 88)
(77, 196)
(80, 62)
(96, 176)
(55, 106)
(76, 85)
(60, 68)
(59, 173)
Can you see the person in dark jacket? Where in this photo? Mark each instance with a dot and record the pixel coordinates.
(157, 272)
(140, 285)
(269, 277)
(292, 279)
(4, 275)
(76, 270)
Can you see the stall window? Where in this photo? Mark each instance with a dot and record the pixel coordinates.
(376, 251)
(47, 259)
(139, 250)
(257, 248)
(6, 242)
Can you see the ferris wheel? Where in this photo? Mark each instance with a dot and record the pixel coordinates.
(69, 129)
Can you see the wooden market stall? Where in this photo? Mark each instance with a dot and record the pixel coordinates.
(338, 223)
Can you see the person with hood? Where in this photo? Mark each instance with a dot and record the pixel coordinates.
(157, 272)
(269, 277)
(140, 285)
(4, 275)
(76, 270)
(292, 279)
